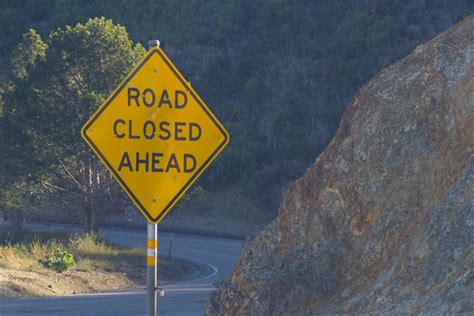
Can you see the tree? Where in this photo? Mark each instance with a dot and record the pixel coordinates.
(57, 87)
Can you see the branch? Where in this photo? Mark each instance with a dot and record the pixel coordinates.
(81, 187)
(49, 185)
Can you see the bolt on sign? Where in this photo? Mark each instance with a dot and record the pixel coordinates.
(155, 135)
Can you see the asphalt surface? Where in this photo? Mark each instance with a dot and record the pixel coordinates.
(216, 256)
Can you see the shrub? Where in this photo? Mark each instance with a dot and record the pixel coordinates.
(59, 260)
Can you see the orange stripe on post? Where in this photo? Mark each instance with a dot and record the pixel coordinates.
(151, 243)
(150, 261)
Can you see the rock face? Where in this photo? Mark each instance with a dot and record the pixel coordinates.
(383, 221)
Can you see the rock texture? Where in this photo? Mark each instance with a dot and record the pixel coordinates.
(383, 221)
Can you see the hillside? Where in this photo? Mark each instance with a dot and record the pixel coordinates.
(382, 221)
(278, 74)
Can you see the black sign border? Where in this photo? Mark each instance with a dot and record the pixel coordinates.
(115, 173)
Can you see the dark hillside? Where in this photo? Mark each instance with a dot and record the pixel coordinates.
(279, 74)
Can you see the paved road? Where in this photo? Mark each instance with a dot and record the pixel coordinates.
(187, 297)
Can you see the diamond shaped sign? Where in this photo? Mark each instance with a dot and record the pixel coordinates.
(155, 135)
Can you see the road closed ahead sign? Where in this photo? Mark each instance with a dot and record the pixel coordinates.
(155, 134)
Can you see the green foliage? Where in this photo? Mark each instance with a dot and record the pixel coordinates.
(26, 55)
(58, 260)
(10, 198)
(80, 67)
(20, 249)
(57, 85)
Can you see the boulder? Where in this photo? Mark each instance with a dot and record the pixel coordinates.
(383, 220)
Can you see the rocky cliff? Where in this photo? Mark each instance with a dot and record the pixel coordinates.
(383, 221)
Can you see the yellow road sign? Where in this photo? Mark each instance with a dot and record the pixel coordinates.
(155, 135)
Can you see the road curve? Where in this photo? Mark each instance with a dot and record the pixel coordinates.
(186, 297)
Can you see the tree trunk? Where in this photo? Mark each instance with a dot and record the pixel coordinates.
(91, 222)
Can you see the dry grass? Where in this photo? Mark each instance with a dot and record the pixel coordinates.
(99, 266)
(91, 252)
(26, 250)
(22, 257)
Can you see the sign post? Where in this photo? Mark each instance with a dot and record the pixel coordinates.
(152, 250)
(156, 136)
(152, 269)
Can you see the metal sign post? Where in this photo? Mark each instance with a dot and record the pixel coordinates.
(151, 269)
(152, 251)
